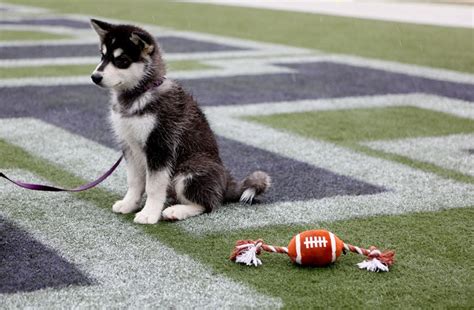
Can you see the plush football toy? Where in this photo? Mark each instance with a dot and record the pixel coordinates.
(313, 248)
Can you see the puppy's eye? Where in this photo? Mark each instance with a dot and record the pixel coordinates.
(122, 62)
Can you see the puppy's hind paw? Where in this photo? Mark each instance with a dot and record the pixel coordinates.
(181, 212)
(170, 214)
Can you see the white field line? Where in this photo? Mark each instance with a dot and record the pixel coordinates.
(89, 37)
(81, 37)
(9, 63)
(239, 66)
(23, 9)
(44, 28)
(191, 74)
(22, 62)
(130, 268)
(418, 13)
(455, 107)
(450, 152)
(409, 190)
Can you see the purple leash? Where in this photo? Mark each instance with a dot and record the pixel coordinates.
(39, 187)
(47, 188)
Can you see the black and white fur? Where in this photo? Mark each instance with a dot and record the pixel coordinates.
(170, 151)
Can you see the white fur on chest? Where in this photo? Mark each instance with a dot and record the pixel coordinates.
(132, 130)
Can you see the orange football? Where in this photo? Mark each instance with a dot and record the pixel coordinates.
(315, 248)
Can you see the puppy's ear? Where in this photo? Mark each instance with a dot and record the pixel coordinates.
(102, 28)
(139, 39)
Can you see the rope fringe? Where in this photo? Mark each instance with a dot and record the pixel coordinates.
(376, 260)
(246, 251)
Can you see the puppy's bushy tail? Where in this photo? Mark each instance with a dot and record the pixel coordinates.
(246, 190)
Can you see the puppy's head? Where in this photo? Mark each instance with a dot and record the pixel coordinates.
(130, 56)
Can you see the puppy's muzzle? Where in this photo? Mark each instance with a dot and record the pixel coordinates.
(97, 78)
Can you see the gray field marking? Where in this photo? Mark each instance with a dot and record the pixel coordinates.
(301, 81)
(27, 265)
(291, 179)
(327, 80)
(239, 67)
(319, 80)
(64, 22)
(131, 269)
(61, 30)
(446, 151)
(222, 70)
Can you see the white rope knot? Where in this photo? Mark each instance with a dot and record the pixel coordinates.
(248, 254)
(374, 253)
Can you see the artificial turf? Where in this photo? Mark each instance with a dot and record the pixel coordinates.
(432, 267)
(76, 70)
(368, 124)
(21, 35)
(434, 46)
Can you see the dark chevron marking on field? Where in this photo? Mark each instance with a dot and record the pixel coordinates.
(291, 179)
(64, 22)
(27, 265)
(319, 80)
(170, 44)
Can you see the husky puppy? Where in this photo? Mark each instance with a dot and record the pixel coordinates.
(169, 148)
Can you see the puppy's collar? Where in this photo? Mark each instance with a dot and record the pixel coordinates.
(157, 83)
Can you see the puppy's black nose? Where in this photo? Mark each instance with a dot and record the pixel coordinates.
(96, 78)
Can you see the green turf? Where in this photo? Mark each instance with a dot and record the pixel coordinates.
(188, 65)
(20, 35)
(75, 70)
(368, 124)
(432, 265)
(348, 127)
(443, 47)
(433, 253)
(46, 71)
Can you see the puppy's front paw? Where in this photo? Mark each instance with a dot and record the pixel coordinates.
(124, 207)
(147, 216)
